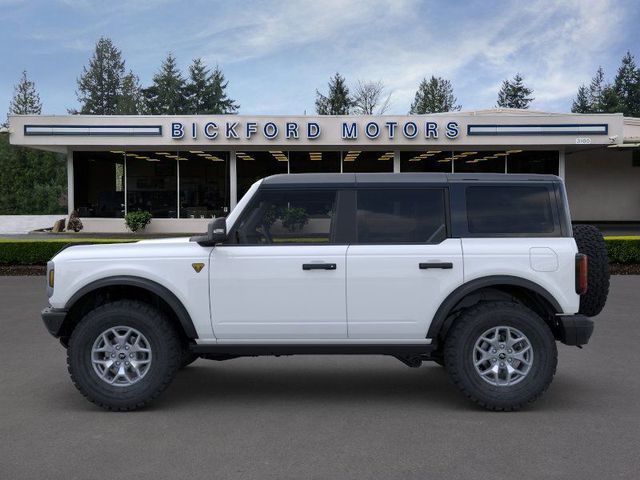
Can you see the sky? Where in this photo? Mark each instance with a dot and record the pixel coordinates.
(275, 54)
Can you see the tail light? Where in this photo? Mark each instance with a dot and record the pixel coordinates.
(582, 269)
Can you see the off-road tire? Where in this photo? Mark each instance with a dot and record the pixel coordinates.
(460, 343)
(590, 242)
(150, 322)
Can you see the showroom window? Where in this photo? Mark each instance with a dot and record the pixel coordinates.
(252, 166)
(203, 184)
(99, 184)
(367, 161)
(152, 183)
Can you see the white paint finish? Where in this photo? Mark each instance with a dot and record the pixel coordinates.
(511, 256)
(388, 296)
(543, 259)
(166, 262)
(263, 292)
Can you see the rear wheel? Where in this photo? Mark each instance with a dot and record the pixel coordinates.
(501, 355)
(123, 354)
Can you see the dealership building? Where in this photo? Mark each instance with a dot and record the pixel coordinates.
(186, 170)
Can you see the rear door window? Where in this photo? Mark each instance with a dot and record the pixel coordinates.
(401, 216)
(513, 209)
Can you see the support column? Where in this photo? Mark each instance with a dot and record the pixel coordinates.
(396, 161)
(233, 181)
(70, 179)
(561, 165)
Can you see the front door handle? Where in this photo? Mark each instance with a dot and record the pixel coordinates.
(443, 265)
(319, 266)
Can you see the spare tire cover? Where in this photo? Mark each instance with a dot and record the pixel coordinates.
(591, 242)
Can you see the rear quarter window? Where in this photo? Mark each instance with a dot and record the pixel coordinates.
(513, 209)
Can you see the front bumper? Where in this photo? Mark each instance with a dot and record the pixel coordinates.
(574, 330)
(53, 319)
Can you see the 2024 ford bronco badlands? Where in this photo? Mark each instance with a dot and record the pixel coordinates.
(480, 273)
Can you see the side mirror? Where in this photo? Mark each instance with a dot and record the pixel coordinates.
(216, 233)
(217, 230)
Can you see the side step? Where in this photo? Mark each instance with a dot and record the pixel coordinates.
(241, 350)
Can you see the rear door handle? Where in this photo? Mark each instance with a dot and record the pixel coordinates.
(443, 265)
(319, 266)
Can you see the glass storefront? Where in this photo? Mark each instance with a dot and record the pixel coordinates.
(196, 183)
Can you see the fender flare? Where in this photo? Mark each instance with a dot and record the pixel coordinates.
(465, 289)
(153, 287)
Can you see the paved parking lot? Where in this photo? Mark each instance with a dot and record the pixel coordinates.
(319, 417)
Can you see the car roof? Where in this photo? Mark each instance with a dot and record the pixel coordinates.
(375, 179)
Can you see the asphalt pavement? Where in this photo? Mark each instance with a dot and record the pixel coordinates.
(319, 417)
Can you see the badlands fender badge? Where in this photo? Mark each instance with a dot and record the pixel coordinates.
(197, 267)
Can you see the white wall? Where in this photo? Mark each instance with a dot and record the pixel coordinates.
(157, 225)
(602, 185)
(12, 224)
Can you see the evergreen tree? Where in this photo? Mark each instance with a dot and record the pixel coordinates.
(167, 96)
(514, 93)
(627, 86)
(596, 88)
(206, 92)
(100, 84)
(337, 101)
(434, 95)
(130, 101)
(581, 104)
(26, 100)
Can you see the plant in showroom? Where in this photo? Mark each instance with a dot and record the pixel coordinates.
(136, 221)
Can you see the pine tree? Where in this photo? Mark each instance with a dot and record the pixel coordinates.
(99, 85)
(130, 101)
(514, 93)
(337, 101)
(627, 86)
(206, 92)
(166, 96)
(596, 87)
(26, 100)
(434, 95)
(581, 103)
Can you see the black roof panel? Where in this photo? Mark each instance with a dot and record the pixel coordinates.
(353, 179)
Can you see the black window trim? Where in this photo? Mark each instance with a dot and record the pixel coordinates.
(444, 188)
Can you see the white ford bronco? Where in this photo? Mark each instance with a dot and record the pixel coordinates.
(479, 273)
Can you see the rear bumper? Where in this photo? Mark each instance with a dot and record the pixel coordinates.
(53, 319)
(575, 330)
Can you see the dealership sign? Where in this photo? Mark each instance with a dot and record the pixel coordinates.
(348, 130)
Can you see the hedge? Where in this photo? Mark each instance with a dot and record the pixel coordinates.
(39, 252)
(623, 249)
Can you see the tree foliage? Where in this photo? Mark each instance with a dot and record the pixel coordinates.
(31, 181)
(370, 98)
(434, 95)
(100, 85)
(337, 101)
(514, 93)
(205, 91)
(167, 94)
(26, 100)
(130, 101)
(627, 86)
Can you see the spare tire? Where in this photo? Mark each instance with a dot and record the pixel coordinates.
(591, 242)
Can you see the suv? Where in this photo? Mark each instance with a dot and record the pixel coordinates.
(479, 273)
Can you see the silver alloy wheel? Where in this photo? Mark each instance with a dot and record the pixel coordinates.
(503, 356)
(121, 356)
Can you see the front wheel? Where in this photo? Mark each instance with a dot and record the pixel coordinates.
(501, 355)
(123, 354)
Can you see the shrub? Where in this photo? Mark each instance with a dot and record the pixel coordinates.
(74, 223)
(623, 249)
(137, 220)
(39, 252)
